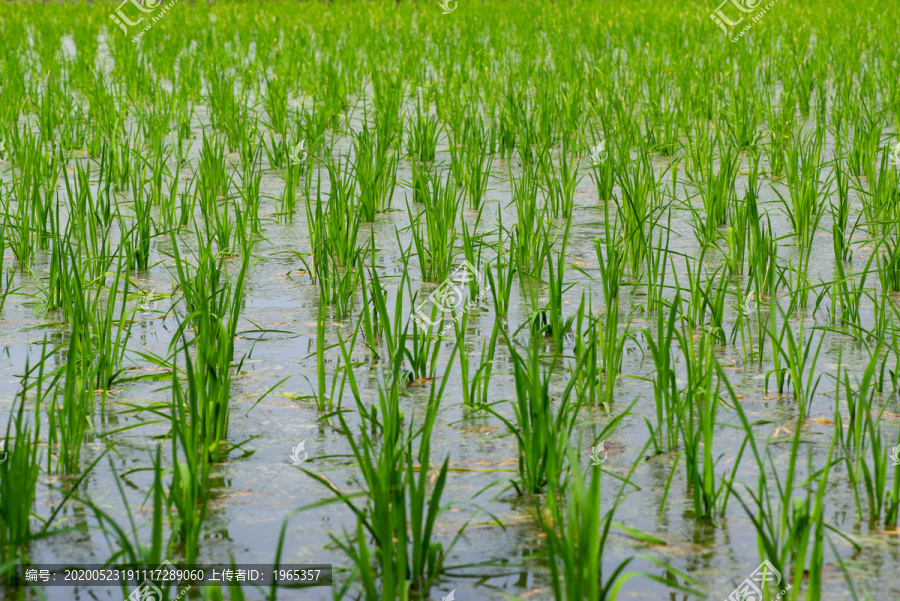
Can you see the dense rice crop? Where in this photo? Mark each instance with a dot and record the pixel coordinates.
(477, 300)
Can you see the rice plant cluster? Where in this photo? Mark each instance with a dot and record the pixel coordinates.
(480, 300)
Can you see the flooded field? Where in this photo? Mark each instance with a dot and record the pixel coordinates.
(469, 300)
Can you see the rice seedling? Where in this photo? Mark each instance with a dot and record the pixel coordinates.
(717, 190)
(376, 172)
(577, 531)
(18, 479)
(504, 268)
(435, 241)
(806, 190)
(539, 428)
(422, 135)
(198, 427)
(400, 515)
(641, 195)
(799, 356)
(477, 161)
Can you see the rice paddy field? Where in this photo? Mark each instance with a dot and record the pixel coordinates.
(548, 300)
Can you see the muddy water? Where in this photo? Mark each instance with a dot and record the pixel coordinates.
(253, 494)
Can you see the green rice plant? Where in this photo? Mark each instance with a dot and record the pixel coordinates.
(340, 229)
(505, 131)
(603, 172)
(110, 333)
(504, 268)
(419, 185)
(376, 172)
(286, 203)
(661, 120)
(137, 237)
(422, 134)
(739, 215)
(780, 119)
(560, 179)
(696, 408)
(472, 245)
(800, 359)
(119, 156)
(279, 151)
(458, 133)
(741, 118)
(73, 419)
(717, 192)
(880, 200)
(460, 326)
(889, 265)
(804, 83)
(840, 211)
(18, 481)
(477, 159)
(762, 254)
(198, 426)
(603, 353)
(539, 428)
(641, 194)
(388, 93)
(577, 531)
(707, 295)
(557, 325)
(786, 526)
(423, 351)
(700, 151)
(847, 294)
(275, 103)
(665, 389)
(91, 222)
(797, 280)
(587, 380)
(247, 213)
(806, 190)
(606, 331)
(399, 513)
(867, 439)
(530, 217)
(437, 249)
(377, 322)
(862, 137)
(213, 302)
(372, 324)
(657, 260)
(479, 385)
(333, 232)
